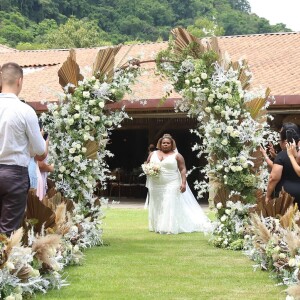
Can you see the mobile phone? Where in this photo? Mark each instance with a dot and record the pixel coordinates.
(289, 136)
(45, 136)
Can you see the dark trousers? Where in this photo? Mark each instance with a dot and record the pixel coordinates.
(14, 185)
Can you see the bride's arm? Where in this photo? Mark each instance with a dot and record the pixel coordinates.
(182, 170)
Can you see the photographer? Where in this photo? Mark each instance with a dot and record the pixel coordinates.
(283, 174)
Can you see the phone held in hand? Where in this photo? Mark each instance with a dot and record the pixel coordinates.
(289, 136)
(45, 136)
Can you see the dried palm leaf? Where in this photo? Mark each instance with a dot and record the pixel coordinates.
(36, 210)
(92, 149)
(54, 198)
(44, 247)
(214, 46)
(287, 220)
(120, 62)
(184, 39)
(277, 206)
(255, 106)
(14, 240)
(105, 62)
(60, 214)
(222, 194)
(294, 291)
(70, 72)
(244, 74)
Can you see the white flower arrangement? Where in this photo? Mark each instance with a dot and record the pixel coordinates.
(228, 133)
(151, 169)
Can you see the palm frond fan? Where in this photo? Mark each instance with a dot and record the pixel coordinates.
(53, 199)
(214, 46)
(275, 207)
(38, 212)
(105, 62)
(255, 106)
(244, 74)
(92, 149)
(69, 73)
(222, 194)
(183, 39)
(287, 220)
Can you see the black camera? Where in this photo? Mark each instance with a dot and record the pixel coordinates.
(289, 136)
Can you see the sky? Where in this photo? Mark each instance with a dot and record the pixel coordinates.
(278, 11)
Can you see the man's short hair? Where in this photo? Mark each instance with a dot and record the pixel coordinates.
(10, 73)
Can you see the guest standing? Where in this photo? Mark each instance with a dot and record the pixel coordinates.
(20, 138)
(283, 174)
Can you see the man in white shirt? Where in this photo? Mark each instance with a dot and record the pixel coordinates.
(20, 138)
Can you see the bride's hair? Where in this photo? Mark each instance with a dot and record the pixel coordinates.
(166, 136)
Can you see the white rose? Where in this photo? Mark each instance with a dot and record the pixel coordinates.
(96, 118)
(218, 130)
(83, 149)
(217, 108)
(234, 134)
(223, 218)
(92, 102)
(101, 104)
(282, 255)
(239, 168)
(224, 142)
(77, 158)
(233, 168)
(210, 100)
(76, 116)
(207, 109)
(204, 76)
(292, 262)
(71, 121)
(229, 129)
(187, 82)
(205, 90)
(60, 176)
(78, 146)
(109, 123)
(62, 169)
(77, 107)
(10, 297)
(233, 159)
(243, 159)
(87, 127)
(219, 205)
(197, 80)
(86, 94)
(227, 211)
(86, 137)
(72, 150)
(245, 165)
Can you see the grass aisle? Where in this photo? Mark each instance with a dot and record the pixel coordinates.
(138, 264)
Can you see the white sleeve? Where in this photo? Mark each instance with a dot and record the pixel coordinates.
(37, 144)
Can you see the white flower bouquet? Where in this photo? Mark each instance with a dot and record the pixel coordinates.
(151, 169)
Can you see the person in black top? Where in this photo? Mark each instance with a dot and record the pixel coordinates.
(283, 174)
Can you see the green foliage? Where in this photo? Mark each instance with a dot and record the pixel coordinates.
(204, 27)
(32, 21)
(76, 34)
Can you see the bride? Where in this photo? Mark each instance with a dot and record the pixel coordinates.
(172, 206)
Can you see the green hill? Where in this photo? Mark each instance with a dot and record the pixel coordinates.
(34, 24)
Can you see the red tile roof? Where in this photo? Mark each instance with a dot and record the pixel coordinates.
(273, 59)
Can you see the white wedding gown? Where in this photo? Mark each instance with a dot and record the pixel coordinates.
(171, 211)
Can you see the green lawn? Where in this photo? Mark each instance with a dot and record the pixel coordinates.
(138, 264)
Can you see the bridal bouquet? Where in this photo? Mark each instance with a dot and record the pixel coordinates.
(151, 169)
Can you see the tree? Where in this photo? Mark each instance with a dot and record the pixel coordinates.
(204, 27)
(77, 34)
